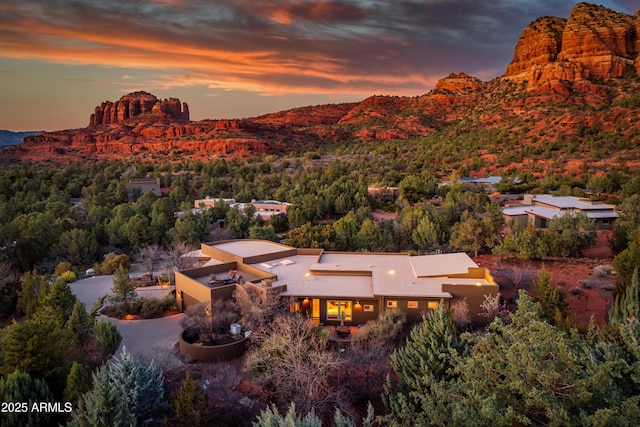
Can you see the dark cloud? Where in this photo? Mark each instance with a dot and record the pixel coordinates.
(293, 46)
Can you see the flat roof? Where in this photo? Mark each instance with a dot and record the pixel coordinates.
(358, 274)
(516, 210)
(547, 213)
(248, 248)
(442, 264)
(565, 202)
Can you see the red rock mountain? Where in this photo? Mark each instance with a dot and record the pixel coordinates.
(138, 104)
(593, 43)
(561, 70)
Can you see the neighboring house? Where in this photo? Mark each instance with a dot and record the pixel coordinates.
(143, 185)
(538, 209)
(209, 202)
(264, 208)
(332, 286)
(488, 184)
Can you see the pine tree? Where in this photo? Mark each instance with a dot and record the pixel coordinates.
(123, 288)
(191, 404)
(428, 358)
(552, 300)
(125, 393)
(627, 304)
(107, 339)
(79, 381)
(21, 388)
(80, 324)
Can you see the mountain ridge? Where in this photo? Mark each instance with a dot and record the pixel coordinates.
(548, 86)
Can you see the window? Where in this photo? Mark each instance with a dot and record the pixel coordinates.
(392, 304)
(412, 304)
(368, 307)
(338, 310)
(431, 305)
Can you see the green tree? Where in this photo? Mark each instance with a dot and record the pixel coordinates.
(59, 298)
(492, 224)
(271, 417)
(21, 388)
(427, 235)
(107, 339)
(467, 235)
(123, 288)
(80, 324)
(552, 300)
(429, 357)
(627, 261)
(40, 347)
(34, 287)
(79, 247)
(191, 404)
(626, 304)
(412, 188)
(79, 381)
(369, 237)
(263, 233)
(112, 261)
(574, 232)
(125, 393)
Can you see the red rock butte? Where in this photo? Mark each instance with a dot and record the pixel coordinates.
(593, 43)
(138, 104)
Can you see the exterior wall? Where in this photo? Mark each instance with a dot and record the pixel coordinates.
(414, 315)
(213, 353)
(358, 315)
(538, 222)
(475, 297)
(512, 219)
(144, 185)
(273, 208)
(189, 291)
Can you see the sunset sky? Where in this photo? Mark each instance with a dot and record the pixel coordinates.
(241, 58)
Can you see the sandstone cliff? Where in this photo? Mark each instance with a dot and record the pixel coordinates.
(138, 104)
(457, 82)
(594, 43)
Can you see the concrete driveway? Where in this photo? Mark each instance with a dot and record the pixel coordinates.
(153, 339)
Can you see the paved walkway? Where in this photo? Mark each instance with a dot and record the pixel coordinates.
(147, 339)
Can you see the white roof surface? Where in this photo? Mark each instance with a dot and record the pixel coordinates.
(441, 265)
(568, 202)
(248, 248)
(367, 275)
(516, 210)
(356, 275)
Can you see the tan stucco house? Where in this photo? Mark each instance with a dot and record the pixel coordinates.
(352, 287)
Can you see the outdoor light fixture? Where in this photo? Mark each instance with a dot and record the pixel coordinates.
(392, 272)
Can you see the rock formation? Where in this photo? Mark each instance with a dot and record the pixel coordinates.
(138, 104)
(455, 82)
(594, 43)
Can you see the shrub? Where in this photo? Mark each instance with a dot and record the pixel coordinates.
(386, 328)
(62, 267)
(112, 261)
(155, 307)
(69, 276)
(602, 270)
